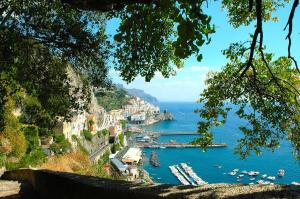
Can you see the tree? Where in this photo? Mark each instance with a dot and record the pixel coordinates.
(267, 101)
(153, 36)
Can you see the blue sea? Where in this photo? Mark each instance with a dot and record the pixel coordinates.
(203, 161)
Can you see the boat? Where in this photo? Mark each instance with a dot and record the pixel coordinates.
(264, 176)
(252, 179)
(241, 175)
(158, 178)
(153, 159)
(281, 173)
(235, 170)
(295, 183)
(259, 181)
(218, 166)
(253, 173)
(267, 182)
(271, 178)
(162, 147)
(232, 173)
(244, 172)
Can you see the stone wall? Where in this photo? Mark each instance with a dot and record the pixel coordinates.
(50, 184)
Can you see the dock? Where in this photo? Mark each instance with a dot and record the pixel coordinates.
(157, 134)
(180, 145)
(186, 175)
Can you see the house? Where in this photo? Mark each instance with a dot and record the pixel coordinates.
(73, 127)
(119, 166)
(132, 156)
(138, 118)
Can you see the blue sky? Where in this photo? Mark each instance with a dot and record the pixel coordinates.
(189, 81)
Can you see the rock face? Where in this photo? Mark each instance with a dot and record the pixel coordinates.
(165, 116)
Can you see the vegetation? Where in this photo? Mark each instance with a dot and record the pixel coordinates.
(42, 41)
(103, 133)
(121, 139)
(115, 147)
(113, 99)
(61, 144)
(87, 135)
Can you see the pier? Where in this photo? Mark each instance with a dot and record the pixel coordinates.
(179, 145)
(157, 134)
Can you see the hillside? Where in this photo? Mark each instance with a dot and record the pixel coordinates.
(139, 93)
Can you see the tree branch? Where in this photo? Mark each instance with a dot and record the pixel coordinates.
(104, 5)
(288, 37)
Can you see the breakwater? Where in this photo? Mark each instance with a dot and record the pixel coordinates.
(179, 145)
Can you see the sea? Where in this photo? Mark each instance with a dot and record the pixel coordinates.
(203, 162)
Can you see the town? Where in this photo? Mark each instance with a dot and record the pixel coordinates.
(102, 132)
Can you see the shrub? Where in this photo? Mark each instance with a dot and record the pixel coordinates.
(60, 145)
(87, 135)
(121, 139)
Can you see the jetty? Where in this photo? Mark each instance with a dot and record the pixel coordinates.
(186, 175)
(178, 175)
(180, 145)
(157, 134)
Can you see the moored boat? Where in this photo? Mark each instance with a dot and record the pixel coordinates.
(281, 173)
(253, 173)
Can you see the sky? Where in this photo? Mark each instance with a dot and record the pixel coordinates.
(189, 81)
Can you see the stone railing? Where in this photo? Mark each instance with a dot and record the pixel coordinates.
(55, 185)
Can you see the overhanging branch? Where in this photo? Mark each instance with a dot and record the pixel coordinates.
(104, 5)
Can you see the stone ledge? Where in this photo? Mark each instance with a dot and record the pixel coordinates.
(50, 184)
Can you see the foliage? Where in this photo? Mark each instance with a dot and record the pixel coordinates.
(155, 37)
(87, 135)
(123, 123)
(121, 139)
(60, 144)
(113, 99)
(267, 101)
(239, 14)
(103, 133)
(115, 147)
(128, 134)
(32, 136)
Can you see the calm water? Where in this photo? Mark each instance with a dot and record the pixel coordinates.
(202, 162)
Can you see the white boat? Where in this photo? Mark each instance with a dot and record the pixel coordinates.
(253, 173)
(295, 183)
(281, 173)
(251, 183)
(267, 182)
(235, 170)
(264, 176)
(244, 172)
(241, 175)
(271, 178)
(232, 173)
(260, 181)
(252, 179)
(162, 147)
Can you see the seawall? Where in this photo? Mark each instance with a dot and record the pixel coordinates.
(50, 184)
